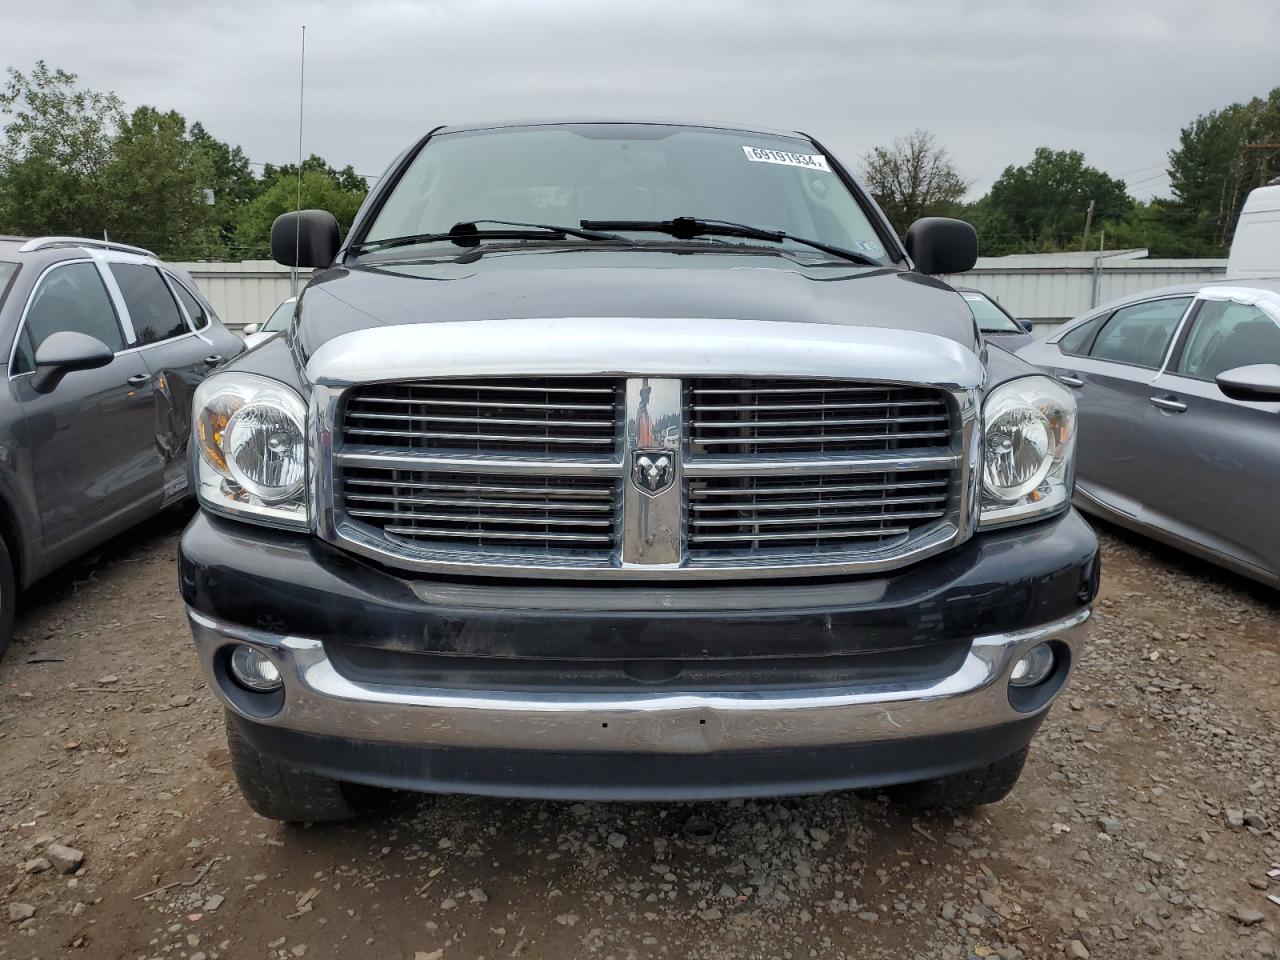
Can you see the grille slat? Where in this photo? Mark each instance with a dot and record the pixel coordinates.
(775, 536)
(750, 415)
(361, 498)
(809, 505)
(478, 518)
(702, 493)
(818, 521)
(433, 533)
(479, 438)
(495, 415)
(824, 422)
(824, 441)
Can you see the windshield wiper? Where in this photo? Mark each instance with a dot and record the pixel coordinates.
(468, 234)
(687, 228)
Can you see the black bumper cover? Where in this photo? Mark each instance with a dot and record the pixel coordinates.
(1000, 581)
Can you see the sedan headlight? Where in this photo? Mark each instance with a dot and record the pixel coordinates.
(250, 435)
(1028, 447)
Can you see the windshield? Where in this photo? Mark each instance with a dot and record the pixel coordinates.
(279, 319)
(991, 319)
(568, 173)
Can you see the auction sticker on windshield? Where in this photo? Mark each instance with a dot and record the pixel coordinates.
(809, 160)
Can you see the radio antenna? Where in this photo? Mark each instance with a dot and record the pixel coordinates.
(297, 220)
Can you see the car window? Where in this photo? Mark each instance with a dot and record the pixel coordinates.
(199, 316)
(152, 308)
(73, 298)
(7, 271)
(1227, 335)
(279, 318)
(991, 319)
(1077, 341)
(1139, 335)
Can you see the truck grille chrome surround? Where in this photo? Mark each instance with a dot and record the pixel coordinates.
(624, 461)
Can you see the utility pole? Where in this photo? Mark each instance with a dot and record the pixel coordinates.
(1088, 222)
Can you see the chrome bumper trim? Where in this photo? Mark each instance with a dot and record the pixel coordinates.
(318, 700)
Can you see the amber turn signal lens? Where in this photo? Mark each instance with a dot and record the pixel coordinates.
(211, 423)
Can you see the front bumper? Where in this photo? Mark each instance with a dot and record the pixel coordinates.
(307, 601)
(319, 700)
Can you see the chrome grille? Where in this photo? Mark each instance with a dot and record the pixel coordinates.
(824, 513)
(528, 415)
(534, 475)
(554, 515)
(768, 416)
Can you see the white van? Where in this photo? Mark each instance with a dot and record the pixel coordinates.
(1255, 249)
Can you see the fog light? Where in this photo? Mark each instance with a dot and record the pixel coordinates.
(254, 671)
(1033, 667)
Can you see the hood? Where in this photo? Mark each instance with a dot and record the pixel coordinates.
(558, 282)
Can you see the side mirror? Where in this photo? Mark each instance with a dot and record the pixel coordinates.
(307, 238)
(942, 245)
(249, 328)
(1259, 382)
(1026, 325)
(63, 352)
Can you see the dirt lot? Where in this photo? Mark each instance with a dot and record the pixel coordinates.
(1145, 825)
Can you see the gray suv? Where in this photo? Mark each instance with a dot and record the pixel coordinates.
(106, 345)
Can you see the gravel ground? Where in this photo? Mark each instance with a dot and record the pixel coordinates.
(1145, 825)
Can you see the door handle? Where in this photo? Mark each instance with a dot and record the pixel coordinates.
(139, 380)
(214, 360)
(1173, 406)
(1071, 381)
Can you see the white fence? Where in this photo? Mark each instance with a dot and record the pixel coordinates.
(1043, 288)
(244, 292)
(1050, 288)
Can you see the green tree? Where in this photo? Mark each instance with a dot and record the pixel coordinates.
(155, 182)
(1041, 205)
(347, 179)
(56, 146)
(1211, 172)
(233, 182)
(912, 178)
(321, 189)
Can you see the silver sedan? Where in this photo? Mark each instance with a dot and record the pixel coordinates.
(1179, 400)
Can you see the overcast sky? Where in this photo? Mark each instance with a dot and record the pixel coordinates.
(1114, 78)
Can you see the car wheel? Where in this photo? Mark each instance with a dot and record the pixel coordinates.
(279, 792)
(963, 791)
(8, 597)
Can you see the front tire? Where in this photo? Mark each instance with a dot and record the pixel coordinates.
(963, 791)
(279, 792)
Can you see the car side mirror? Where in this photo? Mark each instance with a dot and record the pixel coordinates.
(942, 245)
(305, 238)
(1259, 382)
(63, 352)
(1026, 325)
(250, 328)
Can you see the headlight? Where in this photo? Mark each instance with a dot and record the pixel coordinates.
(251, 436)
(1028, 447)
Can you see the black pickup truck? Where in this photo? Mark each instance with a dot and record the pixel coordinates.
(631, 461)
